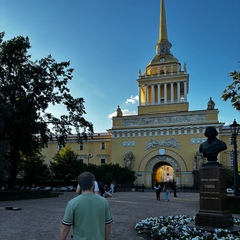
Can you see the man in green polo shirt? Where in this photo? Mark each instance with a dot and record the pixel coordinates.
(88, 213)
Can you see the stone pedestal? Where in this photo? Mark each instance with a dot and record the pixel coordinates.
(213, 211)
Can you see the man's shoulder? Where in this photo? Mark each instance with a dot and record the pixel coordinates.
(73, 200)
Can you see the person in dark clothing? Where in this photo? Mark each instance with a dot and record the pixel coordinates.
(157, 188)
(174, 188)
(101, 188)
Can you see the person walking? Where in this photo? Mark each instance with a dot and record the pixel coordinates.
(112, 187)
(166, 191)
(174, 188)
(89, 214)
(157, 188)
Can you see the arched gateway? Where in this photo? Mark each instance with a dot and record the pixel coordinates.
(153, 160)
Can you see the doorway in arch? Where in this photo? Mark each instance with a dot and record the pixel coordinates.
(162, 172)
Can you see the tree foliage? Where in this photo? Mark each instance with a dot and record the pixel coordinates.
(66, 167)
(33, 170)
(27, 89)
(232, 92)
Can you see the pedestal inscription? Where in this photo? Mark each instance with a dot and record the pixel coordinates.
(213, 199)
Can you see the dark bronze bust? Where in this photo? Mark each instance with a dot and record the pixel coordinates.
(212, 146)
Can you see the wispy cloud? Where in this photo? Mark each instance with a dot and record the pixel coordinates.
(132, 99)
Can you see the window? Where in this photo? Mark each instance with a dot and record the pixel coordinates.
(103, 146)
(103, 161)
(81, 146)
(80, 158)
(60, 147)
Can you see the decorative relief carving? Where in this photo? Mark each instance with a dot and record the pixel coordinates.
(164, 120)
(199, 160)
(197, 140)
(128, 144)
(170, 142)
(129, 159)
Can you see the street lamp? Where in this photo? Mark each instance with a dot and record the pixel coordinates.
(88, 157)
(235, 129)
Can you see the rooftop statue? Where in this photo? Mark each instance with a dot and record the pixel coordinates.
(211, 104)
(119, 112)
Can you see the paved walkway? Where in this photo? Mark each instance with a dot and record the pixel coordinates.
(40, 219)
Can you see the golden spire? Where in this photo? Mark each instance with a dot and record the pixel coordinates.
(163, 46)
(162, 24)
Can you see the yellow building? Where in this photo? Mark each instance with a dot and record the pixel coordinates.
(161, 142)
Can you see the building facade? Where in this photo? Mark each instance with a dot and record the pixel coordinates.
(161, 142)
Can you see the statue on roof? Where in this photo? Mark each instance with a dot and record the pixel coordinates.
(119, 112)
(140, 73)
(185, 67)
(211, 104)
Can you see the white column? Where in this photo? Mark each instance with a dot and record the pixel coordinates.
(146, 94)
(140, 95)
(172, 93)
(185, 91)
(178, 91)
(152, 87)
(165, 93)
(159, 94)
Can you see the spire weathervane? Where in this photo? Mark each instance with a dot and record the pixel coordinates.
(163, 46)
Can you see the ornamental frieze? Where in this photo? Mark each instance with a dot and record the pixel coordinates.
(164, 120)
(197, 140)
(128, 144)
(170, 142)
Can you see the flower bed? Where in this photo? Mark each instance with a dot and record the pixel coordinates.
(176, 227)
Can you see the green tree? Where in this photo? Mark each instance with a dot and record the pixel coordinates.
(113, 172)
(5, 117)
(65, 166)
(27, 89)
(232, 92)
(34, 171)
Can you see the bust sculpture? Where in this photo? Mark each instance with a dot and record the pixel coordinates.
(212, 146)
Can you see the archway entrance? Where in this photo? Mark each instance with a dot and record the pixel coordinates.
(162, 172)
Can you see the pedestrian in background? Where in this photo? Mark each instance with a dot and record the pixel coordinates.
(174, 188)
(112, 187)
(157, 188)
(166, 191)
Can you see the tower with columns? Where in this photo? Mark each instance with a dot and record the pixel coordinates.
(164, 136)
(164, 85)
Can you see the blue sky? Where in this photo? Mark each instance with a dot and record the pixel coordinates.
(108, 41)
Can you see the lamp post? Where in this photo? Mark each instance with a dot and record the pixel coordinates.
(235, 129)
(88, 157)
